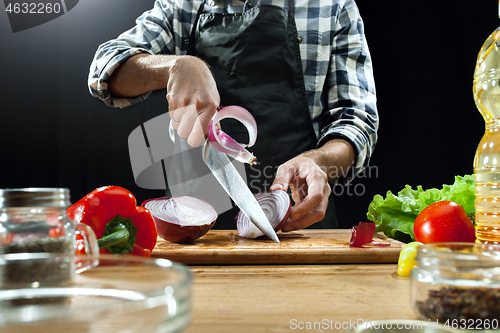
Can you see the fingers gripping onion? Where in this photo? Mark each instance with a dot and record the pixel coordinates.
(224, 143)
(276, 206)
(181, 219)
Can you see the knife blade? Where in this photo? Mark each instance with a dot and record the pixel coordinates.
(229, 178)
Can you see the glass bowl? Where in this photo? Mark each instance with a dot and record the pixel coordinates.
(121, 294)
(458, 284)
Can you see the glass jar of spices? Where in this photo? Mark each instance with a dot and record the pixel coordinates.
(38, 240)
(458, 285)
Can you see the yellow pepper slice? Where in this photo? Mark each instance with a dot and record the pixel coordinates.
(406, 260)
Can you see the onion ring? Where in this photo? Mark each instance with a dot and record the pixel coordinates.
(224, 143)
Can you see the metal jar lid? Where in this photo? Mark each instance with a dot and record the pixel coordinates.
(35, 197)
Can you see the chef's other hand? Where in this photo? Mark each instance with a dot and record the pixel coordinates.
(310, 191)
(192, 98)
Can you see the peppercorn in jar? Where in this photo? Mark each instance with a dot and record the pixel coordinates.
(458, 285)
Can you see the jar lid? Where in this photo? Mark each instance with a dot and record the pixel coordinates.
(35, 197)
(468, 264)
(478, 253)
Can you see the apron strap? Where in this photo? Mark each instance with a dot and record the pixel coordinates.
(291, 7)
(193, 29)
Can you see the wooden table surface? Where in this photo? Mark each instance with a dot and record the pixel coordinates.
(266, 296)
(284, 298)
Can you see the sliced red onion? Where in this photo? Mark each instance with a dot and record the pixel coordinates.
(181, 219)
(224, 143)
(363, 235)
(276, 206)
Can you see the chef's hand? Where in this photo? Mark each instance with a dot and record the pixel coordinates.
(310, 191)
(191, 90)
(307, 176)
(192, 98)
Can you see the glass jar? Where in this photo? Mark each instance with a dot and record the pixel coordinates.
(458, 284)
(38, 240)
(28, 217)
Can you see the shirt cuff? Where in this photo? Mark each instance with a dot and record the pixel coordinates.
(98, 84)
(361, 147)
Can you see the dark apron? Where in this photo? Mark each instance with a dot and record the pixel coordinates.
(255, 59)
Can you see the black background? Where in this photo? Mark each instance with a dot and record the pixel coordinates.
(53, 133)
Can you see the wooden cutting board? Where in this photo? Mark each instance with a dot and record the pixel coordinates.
(309, 246)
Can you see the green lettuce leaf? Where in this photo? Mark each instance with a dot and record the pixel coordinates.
(394, 215)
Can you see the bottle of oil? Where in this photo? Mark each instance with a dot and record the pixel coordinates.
(486, 90)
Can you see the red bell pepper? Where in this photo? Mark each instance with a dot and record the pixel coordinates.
(120, 225)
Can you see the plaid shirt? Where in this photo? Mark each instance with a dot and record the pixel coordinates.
(335, 59)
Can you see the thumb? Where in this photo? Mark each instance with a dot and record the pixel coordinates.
(282, 179)
(278, 186)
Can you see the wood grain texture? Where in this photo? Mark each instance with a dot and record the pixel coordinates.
(276, 298)
(311, 246)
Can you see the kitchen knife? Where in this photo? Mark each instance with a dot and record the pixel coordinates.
(235, 186)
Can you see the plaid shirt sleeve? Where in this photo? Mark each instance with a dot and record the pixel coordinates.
(351, 111)
(153, 34)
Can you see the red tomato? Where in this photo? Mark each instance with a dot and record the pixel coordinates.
(443, 221)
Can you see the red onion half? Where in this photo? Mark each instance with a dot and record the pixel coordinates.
(227, 145)
(276, 206)
(181, 219)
